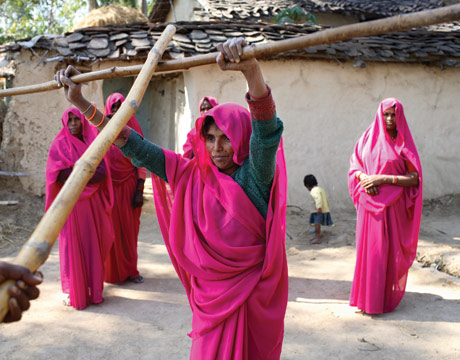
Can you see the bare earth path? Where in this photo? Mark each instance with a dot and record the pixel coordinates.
(151, 320)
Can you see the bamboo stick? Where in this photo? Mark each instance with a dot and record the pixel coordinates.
(342, 33)
(36, 250)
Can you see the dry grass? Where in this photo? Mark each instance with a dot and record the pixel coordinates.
(112, 14)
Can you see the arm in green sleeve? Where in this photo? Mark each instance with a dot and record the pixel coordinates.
(265, 139)
(146, 154)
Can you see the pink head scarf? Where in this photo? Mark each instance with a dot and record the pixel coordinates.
(120, 166)
(385, 255)
(187, 148)
(373, 154)
(112, 99)
(85, 240)
(65, 150)
(226, 254)
(211, 100)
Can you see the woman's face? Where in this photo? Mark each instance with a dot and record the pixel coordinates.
(115, 106)
(220, 149)
(389, 116)
(205, 106)
(74, 125)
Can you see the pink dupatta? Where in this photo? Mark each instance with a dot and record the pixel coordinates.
(187, 147)
(87, 235)
(121, 167)
(121, 263)
(231, 261)
(388, 224)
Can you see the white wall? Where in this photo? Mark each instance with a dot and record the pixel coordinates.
(183, 11)
(326, 106)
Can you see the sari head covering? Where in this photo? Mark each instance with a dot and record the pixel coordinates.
(230, 259)
(112, 99)
(87, 235)
(120, 166)
(122, 260)
(212, 101)
(187, 148)
(396, 210)
(64, 152)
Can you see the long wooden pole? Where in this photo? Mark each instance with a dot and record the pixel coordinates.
(36, 250)
(342, 33)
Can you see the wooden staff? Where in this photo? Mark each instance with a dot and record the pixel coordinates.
(36, 250)
(342, 33)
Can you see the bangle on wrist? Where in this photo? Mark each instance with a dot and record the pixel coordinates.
(94, 113)
(395, 180)
(89, 106)
(100, 123)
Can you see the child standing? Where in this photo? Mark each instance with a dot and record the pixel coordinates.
(320, 215)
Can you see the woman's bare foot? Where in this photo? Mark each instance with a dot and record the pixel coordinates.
(66, 300)
(139, 279)
(315, 241)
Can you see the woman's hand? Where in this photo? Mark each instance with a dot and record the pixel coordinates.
(24, 290)
(372, 191)
(229, 58)
(371, 181)
(72, 91)
(138, 199)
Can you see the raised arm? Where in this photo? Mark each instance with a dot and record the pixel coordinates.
(73, 94)
(142, 152)
(266, 127)
(229, 59)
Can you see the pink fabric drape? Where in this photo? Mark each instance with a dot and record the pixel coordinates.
(121, 263)
(187, 147)
(231, 261)
(87, 235)
(388, 224)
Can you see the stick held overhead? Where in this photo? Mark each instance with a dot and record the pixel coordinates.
(36, 250)
(329, 36)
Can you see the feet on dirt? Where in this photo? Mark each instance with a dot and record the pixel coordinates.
(66, 300)
(315, 241)
(138, 279)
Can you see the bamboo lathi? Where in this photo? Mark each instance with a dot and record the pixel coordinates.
(342, 33)
(36, 250)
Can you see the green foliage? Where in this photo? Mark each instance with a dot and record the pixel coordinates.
(295, 14)
(23, 19)
(128, 3)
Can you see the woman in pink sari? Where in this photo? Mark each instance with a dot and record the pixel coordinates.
(385, 183)
(87, 235)
(128, 187)
(206, 103)
(225, 228)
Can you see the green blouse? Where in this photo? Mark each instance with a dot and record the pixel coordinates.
(255, 175)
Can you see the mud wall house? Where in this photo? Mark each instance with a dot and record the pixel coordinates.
(326, 95)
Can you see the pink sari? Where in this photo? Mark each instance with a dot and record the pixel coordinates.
(87, 235)
(388, 224)
(121, 263)
(187, 147)
(231, 261)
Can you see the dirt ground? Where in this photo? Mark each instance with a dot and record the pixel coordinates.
(151, 320)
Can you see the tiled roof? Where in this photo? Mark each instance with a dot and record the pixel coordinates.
(133, 41)
(255, 10)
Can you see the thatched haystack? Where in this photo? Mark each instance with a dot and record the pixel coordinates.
(112, 14)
